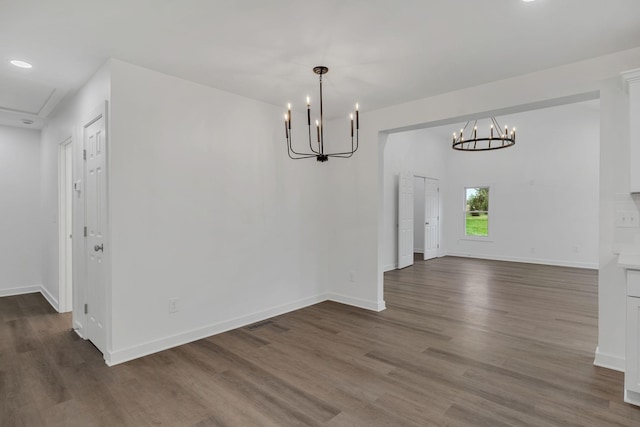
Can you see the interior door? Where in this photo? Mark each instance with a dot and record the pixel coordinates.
(432, 218)
(405, 220)
(96, 223)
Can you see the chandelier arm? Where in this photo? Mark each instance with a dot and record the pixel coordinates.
(291, 150)
(346, 154)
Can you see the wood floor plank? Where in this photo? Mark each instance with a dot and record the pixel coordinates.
(463, 342)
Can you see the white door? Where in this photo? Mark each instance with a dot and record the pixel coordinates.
(96, 223)
(431, 218)
(405, 220)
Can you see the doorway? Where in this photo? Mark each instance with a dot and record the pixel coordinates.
(426, 208)
(65, 225)
(91, 303)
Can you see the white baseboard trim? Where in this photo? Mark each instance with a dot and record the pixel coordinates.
(357, 302)
(47, 295)
(585, 265)
(120, 356)
(389, 267)
(31, 290)
(20, 291)
(609, 361)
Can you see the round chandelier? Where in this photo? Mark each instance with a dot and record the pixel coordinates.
(317, 147)
(496, 140)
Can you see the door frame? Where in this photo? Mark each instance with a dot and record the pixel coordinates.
(427, 176)
(65, 228)
(409, 177)
(80, 270)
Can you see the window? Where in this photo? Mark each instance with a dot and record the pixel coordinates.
(476, 214)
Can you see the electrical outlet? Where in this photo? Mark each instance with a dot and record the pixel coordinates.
(627, 219)
(173, 305)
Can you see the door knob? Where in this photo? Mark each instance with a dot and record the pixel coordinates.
(426, 223)
(99, 247)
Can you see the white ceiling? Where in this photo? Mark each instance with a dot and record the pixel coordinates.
(380, 52)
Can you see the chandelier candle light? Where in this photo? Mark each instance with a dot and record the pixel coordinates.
(317, 148)
(493, 142)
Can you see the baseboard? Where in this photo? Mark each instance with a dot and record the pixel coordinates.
(50, 299)
(609, 361)
(389, 267)
(120, 356)
(20, 291)
(357, 302)
(24, 290)
(585, 265)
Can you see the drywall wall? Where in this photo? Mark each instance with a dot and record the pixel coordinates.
(63, 124)
(20, 261)
(357, 200)
(544, 191)
(420, 153)
(206, 208)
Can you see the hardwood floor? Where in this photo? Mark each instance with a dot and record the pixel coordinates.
(463, 342)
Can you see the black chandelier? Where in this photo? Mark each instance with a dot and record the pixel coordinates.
(493, 142)
(318, 152)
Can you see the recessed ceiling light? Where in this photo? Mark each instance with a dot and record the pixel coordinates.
(20, 64)
(527, 1)
(27, 121)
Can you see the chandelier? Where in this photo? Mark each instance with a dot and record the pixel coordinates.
(496, 139)
(317, 147)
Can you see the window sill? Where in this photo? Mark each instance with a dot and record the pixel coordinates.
(477, 239)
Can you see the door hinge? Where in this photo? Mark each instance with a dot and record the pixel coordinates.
(438, 189)
(86, 308)
(85, 231)
(438, 245)
(84, 154)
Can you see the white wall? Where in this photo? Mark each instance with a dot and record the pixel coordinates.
(357, 203)
(544, 191)
(206, 207)
(415, 151)
(20, 231)
(62, 125)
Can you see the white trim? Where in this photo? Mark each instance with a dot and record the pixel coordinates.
(25, 290)
(631, 397)
(116, 357)
(609, 361)
(50, 299)
(357, 302)
(540, 261)
(389, 267)
(120, 356)
(63, 273)
(630, 77)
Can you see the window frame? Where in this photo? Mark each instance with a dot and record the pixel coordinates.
(465, 212)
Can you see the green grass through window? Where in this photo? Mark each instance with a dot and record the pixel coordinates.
(477, 225)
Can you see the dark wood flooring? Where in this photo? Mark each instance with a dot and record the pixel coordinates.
(463, 342)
